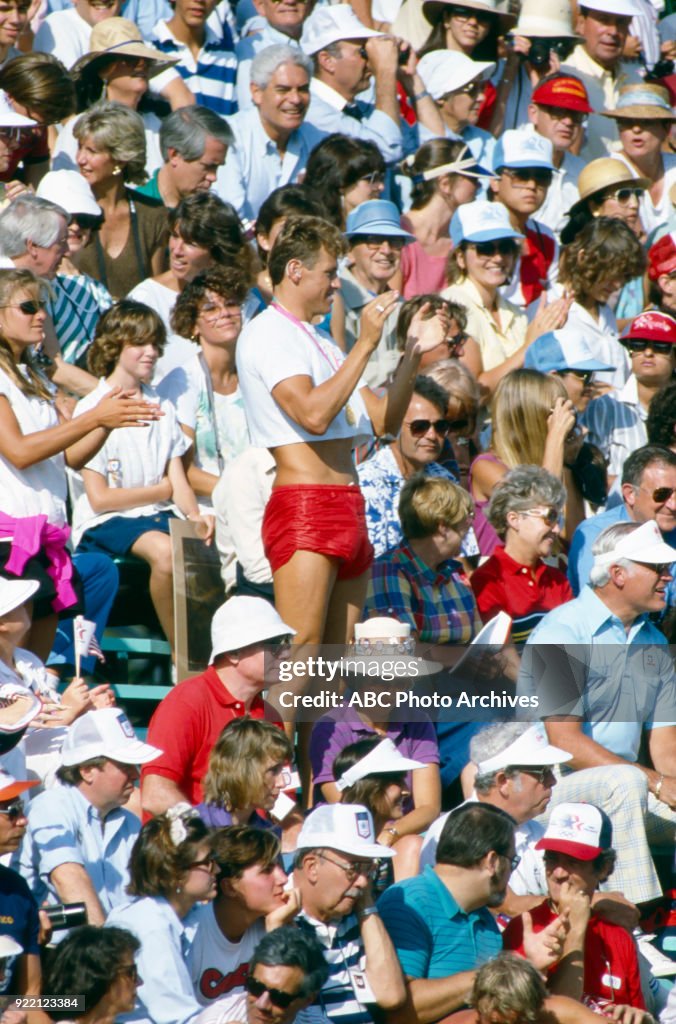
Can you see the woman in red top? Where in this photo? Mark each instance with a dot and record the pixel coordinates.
(525, 511)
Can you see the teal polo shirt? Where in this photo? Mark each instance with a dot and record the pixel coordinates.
(432, 935)
(151, 188)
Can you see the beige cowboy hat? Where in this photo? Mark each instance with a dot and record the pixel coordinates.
(434, 9)
(604, 173)
(643, 101)
(119, 37)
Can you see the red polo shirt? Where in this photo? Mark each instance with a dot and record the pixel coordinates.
(186, 725)
(501, 584)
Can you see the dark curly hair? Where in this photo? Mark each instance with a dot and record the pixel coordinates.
(87, 962)
(605, 248)
(661, 422)
(126, 323)
(231, 283)
(204, 219)
(157, 864)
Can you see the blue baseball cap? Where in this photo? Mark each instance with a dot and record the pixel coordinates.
(518, 148)
(558, 351)
(376, 217)
(481, 221)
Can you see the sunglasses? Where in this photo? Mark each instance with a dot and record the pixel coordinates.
(541, 774)
(85, 221)
(550, 516)
(30, 307)
(14, 811)
(467, 13)
(514, 861)
(659, 348)
(584, 375)
(661, 568)
(129, 971)
(419, 428)
(540, 175)
(564, 114)
(375, 242)
(502, 247)
(471, 89)
(374, 178)
(208, 863)
(280, 999)
(624, 195)
(660, 495)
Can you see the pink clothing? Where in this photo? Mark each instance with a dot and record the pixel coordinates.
(486, 537)
(31, 534)
(421, 273)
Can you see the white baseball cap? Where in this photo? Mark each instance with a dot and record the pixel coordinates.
(347, 828)
(14, 593)
(481, 221)
(385, 759)
(580, 830)
(644, 544)
(532, 747)
(623, 8)
(105, 732)
(444, 71)
(69, 190)
(328, 25)
(243, 621)
(519, 148)
(10, 787)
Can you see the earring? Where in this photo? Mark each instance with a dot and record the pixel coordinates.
(179, 890)
(117, 170)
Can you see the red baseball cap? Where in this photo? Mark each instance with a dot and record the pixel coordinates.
(662, 257)
(652, 326)
(564, 91)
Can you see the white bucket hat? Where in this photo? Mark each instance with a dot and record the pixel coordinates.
(330, 24)
(243, 621)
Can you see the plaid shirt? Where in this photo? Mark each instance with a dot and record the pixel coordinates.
(438, 603)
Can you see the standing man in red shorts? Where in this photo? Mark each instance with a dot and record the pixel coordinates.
(306, 401)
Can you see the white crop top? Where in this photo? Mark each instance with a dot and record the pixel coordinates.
(272, 348)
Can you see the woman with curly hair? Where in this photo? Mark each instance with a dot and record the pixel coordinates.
(172, 871)
(205, 388)
(342, 173)
(131, 242)
(602, 258)
(129, 489)
(99, 964)
(204, 232)
(248, 769)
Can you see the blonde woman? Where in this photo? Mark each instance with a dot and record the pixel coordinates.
(533, 423)
(485, 250)
(248, 769)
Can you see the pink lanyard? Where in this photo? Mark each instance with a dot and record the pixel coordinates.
(299, 323)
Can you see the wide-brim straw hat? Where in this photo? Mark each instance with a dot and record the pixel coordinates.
(434, 9)
(645, 101)
(604, 173)
(119, 37)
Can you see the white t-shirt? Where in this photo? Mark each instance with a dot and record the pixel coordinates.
(272, 348)
(39, 489)
(185, 387)
(217, 966)
(65, 35)
(162, 299)
(136, 455)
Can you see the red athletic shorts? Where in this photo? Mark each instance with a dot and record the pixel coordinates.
(326, 519)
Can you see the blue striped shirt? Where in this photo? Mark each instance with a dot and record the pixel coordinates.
(211, 78)
(343, 951)
(432, 935)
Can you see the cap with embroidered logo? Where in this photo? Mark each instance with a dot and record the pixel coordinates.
(106, 732)
(347, 828)
(582, 831)
(564, 91)
(652, 325)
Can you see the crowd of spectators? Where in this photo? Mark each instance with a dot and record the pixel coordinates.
(381, 297)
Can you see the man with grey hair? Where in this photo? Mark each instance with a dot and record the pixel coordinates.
(514, 764)
(603, 676)
(272, 143)
(194, 142)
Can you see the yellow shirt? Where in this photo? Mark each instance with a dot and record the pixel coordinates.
(603, 87)
(496, 343)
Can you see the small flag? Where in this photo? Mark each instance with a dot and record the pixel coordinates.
(85, 638)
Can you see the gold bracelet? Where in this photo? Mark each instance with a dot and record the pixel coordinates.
(658, 787)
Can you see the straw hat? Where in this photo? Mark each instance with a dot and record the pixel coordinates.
(643, 101)
(119, 37)
(605, 173)
(434, 9)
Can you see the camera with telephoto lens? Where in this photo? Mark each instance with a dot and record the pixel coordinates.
(66, 915)
(542, 46)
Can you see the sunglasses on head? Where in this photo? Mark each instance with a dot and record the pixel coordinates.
(502, 247)
(540, 175)
(419, 428)
(14, 811)
(659, 348)
(282, 1000)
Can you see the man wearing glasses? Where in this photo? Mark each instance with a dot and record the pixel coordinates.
(19, 919)
(334, 865)
(346, 56)
(604, 677)
(648, 487)
(617, 421)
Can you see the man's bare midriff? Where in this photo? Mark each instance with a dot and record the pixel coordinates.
(319, 463)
